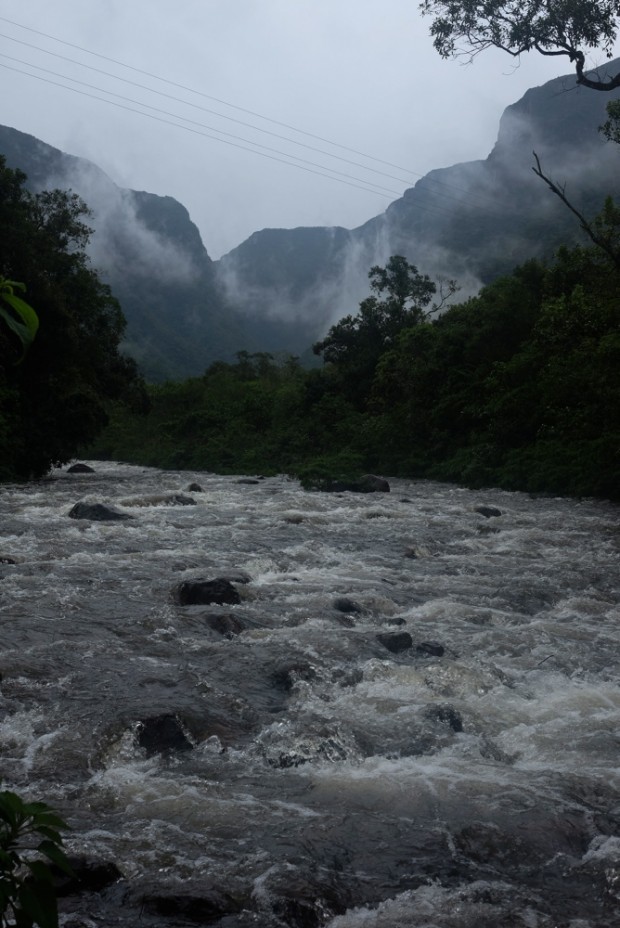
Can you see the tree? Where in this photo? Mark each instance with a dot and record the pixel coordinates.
(54, 401)
(355, 344)
(558, 27)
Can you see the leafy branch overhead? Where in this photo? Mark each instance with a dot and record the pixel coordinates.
(558, 27)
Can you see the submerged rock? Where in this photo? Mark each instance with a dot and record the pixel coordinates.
(205, 908)
(195, 488)
(89, 876)
(432, 648)
(369, 483)
(98, 512)
(160, 499)
(286, 676)
(446, 715)
(344, 604)
(226, 625)
(396, 641)
(205, 592)
(80, 469)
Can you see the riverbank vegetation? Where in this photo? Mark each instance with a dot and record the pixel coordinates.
(60, 362)
(518, 387)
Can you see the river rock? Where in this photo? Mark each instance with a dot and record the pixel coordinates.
(98, 512)
(395, 641)
(344, 604)
(226, 624)
(446, 715)
(432, 648)
(488, 512)
(179, 499)
(80, 469)
(205, 908)
(369, 483)
(195, 488)
(286, 676)
(205, 592)
(248, 481)
(89, 876)
(162, 733)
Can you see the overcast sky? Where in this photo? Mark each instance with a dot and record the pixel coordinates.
(360, 74)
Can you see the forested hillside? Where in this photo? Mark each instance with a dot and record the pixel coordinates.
(60, 333)
(518, 387)
(474, 221)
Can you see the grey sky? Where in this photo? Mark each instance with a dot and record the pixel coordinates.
(362, 73)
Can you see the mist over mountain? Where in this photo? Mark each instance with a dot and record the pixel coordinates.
(281, 289)
(471, 222)
(148, 250)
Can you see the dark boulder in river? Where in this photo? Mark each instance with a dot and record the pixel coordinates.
(80, 469)
(489, 512)
(396, 641)
(205, 592)
(207, 908)
(369, 483)
(98, 512)
(163, 733)
(89, 876)
(344, 604)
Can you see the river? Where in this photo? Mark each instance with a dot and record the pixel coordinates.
(410, 718)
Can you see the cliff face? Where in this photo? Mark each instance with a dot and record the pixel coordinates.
(472, 221)
(282, 288)
(150, 252)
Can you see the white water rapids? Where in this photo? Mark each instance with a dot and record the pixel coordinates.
(470, 780)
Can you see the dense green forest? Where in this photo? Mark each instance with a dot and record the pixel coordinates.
(518, 387)
(53, 397)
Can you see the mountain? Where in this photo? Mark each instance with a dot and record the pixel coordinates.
(179, 319)
(281, 289)
(471, 222)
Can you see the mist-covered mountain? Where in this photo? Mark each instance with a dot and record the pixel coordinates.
(150, 252)
(471, 222)
(282, 288)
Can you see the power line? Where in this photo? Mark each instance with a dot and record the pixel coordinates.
(300, 163)
(257, 115)
(207, 96)
(195, 106)
(193, 131)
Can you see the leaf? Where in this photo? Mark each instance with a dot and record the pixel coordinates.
(49, 833)
(40, 871)
(27, 323)
(38, 901)
(56, 855)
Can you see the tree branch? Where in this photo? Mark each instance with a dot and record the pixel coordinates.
(598, 240)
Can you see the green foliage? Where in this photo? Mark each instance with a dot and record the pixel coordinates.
(56, 399)
(518, 387)
(354, 345)
(556, 27)
(611, 127)
(30, 836)
(20, 318)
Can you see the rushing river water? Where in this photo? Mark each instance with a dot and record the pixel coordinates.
(312, 776)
